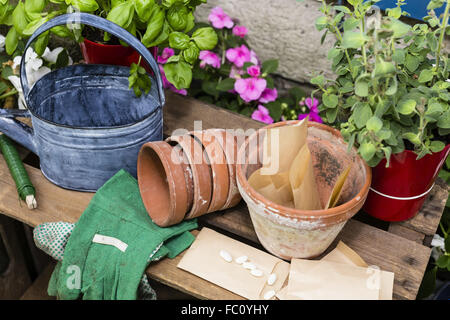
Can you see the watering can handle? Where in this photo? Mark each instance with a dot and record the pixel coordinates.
(100, 23)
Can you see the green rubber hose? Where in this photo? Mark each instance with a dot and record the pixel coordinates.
(24, 186)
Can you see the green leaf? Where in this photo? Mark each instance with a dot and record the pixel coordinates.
(226, 84)
(383, 68)
(88, 5)
(426, 75)
(321, 23)
(367, 151)
(179, 74)
(178, 16)
(350, 24)
(412, 62)
(275, 110)
(361, 114)
(162, 37)
(342, 9)
(353, 40)
(330, 100)
(362, 86)
(399, 56)
(447, 242)
(406, 107)
(144, 9)
(191, 53)
(331, 115)
(11, 41)
(154, 27)
(318, 81)
(270, 66)
(443, 261)
(34, 5)
(178, 40)
(205, 38)
(41, 43)
(19, 18)
(437, 146)
(122, 14)
(399, 28)
(444, 120)
(374, 124)
(33, 26)
(414, 138)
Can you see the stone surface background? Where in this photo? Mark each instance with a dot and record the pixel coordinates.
(282, 29)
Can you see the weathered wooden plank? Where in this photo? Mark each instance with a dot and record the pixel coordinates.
(406, 233)
(427, 220)
(54, 203)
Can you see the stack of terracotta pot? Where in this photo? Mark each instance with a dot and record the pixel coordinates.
(189, 175)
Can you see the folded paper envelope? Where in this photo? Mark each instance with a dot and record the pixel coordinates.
(281, 145)
(344, 254)
(326, 280)
(203, 259)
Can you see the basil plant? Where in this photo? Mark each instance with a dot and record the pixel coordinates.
(391, 90)
(163, 23)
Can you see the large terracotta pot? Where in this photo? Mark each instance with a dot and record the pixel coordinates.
(398, 192)
(292, 233)
(97, 53)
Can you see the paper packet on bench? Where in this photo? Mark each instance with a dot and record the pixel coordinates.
(204, 260)
(341, 274)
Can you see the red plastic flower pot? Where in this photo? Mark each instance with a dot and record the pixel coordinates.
(97, 53)
(398, 192)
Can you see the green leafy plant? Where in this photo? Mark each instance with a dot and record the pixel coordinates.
(391, 86)
(165, 23)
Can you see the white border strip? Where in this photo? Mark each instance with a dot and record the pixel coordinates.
(402, 198)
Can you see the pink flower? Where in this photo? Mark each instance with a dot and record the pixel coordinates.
(240, 31)
(220, 19)
(236, 73)
(262, 115)
(250, 88)
(166, 54)
(254, 58)
(238, 55)
(313, 114)
(254, 71)
(268, 95)
(209, 58)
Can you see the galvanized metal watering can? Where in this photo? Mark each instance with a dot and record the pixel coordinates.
(87, 123)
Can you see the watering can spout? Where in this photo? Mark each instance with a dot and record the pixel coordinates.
(16, 130)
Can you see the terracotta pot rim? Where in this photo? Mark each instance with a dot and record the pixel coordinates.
(200, 192)
(219, 171)
(295, 213)
(176, 212)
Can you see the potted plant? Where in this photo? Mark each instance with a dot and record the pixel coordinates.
(166, 23)
(390, 98)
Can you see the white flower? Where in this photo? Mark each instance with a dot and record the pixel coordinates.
(438, 242)
(52, 55)
(15, 80)
(448, 80)
(2, 43)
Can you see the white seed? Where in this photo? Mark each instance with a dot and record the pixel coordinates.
(249, 265)
(241, 260)
(272, 278)
(269, 295)
(226, 256)
(256, 272)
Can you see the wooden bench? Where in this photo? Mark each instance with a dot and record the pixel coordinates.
(402, 248)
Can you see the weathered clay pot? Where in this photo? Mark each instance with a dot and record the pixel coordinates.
(219, 168)
(201, 174)
(290, 233)
(229, 146)
(162, 183)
